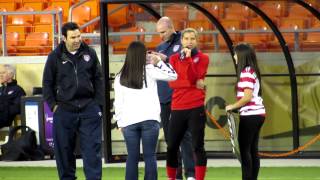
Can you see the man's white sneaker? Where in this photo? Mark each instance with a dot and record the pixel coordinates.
(191, 178)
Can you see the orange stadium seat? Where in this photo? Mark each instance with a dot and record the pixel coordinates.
(140, 14)
(64, 4)
(215, 8)
(82, 15)
(120, 47)
(258, 24)
(222, 43)
(94, 6)
(314, 3)
(289, 24)
(152, 42)
(11, 42)
(23, 19)
(258, 40)
(179, 14)
(119, 18)
(238, 11)
(274, 9)
(8, 5)
(297, 11)
(45, 22)
(37, 5)
(36, 43)
(293, 23)
(21, 23)
(315, 23)
(205, 40)
(47, 18)
(230, 25)
(312, 41)
(201, 26)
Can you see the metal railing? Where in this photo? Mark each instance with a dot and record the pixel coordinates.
(296, 33)
(94, 20)
(54, 13)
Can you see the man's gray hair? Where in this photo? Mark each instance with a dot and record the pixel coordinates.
(10, 69)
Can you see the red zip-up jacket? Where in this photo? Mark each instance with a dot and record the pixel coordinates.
(185, 93)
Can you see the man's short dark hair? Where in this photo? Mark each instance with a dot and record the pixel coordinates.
(69, 26)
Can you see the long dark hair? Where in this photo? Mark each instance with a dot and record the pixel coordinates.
(247, 57)
(133, 70)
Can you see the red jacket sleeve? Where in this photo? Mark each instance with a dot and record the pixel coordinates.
(202, 67)
(181, 67)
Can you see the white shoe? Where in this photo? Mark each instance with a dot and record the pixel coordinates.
(191, 178)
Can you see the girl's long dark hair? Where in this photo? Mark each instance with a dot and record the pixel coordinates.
(132, 73)
(247, 57)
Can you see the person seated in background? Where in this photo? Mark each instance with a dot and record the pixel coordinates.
(10, 95)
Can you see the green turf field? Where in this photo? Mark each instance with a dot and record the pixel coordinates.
(225, 173)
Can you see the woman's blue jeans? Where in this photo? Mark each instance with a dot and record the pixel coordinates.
(147, 132)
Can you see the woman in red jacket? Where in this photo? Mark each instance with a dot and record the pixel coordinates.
(188, 103)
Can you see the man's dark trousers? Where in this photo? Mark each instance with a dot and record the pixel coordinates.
(85, 123)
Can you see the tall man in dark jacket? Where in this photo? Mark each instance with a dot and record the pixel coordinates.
(10, 95)
(72, 86)
(172, 44)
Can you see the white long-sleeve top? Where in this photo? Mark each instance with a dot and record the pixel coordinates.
(136, 105)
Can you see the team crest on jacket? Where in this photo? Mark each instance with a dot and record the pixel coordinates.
(195, 60)
(176, 48)
(10, 92)
(86, 57)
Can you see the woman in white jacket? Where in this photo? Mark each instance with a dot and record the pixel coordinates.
(137, 107)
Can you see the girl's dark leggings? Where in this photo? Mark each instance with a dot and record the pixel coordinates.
(248, 137)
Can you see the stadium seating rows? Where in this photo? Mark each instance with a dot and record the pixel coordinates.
(233, 16)
(35, 27)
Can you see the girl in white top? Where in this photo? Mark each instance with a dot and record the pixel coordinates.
(137, 107)
(252, 111)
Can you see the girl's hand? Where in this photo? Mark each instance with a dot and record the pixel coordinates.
(162, 56)
(154, 59)
(229, 107)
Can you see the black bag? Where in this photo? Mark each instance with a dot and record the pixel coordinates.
(4, 113)
(23, 148)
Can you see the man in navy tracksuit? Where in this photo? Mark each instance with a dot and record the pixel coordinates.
(171, 45)
(72, 86)
(10, 95)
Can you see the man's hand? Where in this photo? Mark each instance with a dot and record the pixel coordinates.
(55, 108)
(200, 84)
